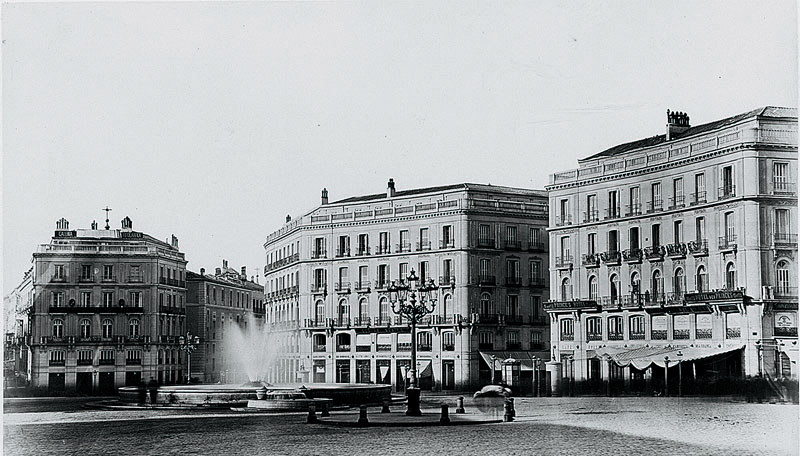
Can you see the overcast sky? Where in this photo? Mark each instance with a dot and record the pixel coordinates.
(213, 121)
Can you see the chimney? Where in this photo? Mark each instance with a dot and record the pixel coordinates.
(390, 188)
(94, 225)
(244, 272)
(677, 123)
(219, 272)
(62, 224)
(224, 264)
(288, 218)
(127, 223)
(324, 196)
(202, 271)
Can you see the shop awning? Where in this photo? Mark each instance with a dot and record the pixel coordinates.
(525, 358)
(425, 369)
(644, 357)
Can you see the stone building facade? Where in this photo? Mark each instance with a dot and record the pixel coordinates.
(108, 307)
(328, 272)
(17, 309)
(679, 251)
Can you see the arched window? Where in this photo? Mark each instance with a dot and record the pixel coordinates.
(108, 327)
(319, 342)
(615, 291)
(730, 276)
(343, 342)
(58, 328)
(363, 310)
(447, 304)
(593, 287)
(679, 282)
(319, 316)
(702, 279)
(782, 282)
(657, 286)
(384, 310)
(448, 341)
(424, 341)
(133, 327)
(86, 328)
(566, 289)
(486, 304)
(636, 327)
(636, 283)
(344, 312)
(594, 328)
(615, 328)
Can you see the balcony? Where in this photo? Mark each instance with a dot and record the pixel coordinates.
(383, 250)
(491, 319)
(615, 336)
(513, 281)
(676, 250)
(343, 347)
(107, 362)
(403, 247)
(563, 219)
(447, 281)
(423, 245)
(698, 248)
(591, 260)
(654, 253)
(342, 252)
(363, 286)
(510, 244)
(698, 198)
(57, 362)
(447, 244)
(680, 334)
(611, 258)
(564, 262)
(362, 251)
(675, 298)
(317, 254)
(537, 282)
(727, 243)
(341, 322)
(536, 246)
(362, 321)
(733, 333)
(782, 292)
(133, 362)
(591, 216)
(342, 287)
(780, 187)
(538, 320)
(636, 336)
(785, 331)
(513, 346)
(166, 281)
(785, 240)
(632, 255)
(282, 262)
(612, 213)
(319, 348)
(567, 337)
(703, 333)
(677, 202)
(486, 243)
(633, 209)
(655, 206)
(86, 279)
(424, 347)
(383, 321)
(111, 279)
(382, 284)
(513, 319)
(319, 287)
(728, 191)
(96, 309)
(486, 280)
(84, 362)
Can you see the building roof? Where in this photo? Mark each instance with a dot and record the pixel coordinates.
(444, 188)
(222, 280)
(767, 111)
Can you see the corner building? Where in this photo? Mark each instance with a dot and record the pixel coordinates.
(328, 272)
(108, 307)
(679, 252)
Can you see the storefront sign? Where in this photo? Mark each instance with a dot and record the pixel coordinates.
(660, 323)
(681, 322)
(710, 296)
(570, 305)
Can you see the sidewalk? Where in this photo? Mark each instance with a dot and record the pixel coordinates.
(397, 418)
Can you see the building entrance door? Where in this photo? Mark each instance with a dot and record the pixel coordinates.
(448, 375)
(83, 382)
(56, 382)
(133, 378)
(106, 383)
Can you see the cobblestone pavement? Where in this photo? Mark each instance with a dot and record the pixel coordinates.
(595, 426)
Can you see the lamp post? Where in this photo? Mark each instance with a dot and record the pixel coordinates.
(189, 344)
(494, 360)
(680, 376)
(608, 381)
(411, 300)
(537, 378)
(571, 359)
(666, 376)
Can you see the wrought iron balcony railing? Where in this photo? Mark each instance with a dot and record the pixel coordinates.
(698, 248)
(590, 260)
(728, 242)
(725, 192)
(698, 198)
(655, 206)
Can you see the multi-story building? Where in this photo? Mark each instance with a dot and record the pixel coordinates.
(108, 306)
(679, 251)
(17, 307)
(328, 272)
(226, 298)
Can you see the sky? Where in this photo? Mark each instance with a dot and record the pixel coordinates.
(213, 121)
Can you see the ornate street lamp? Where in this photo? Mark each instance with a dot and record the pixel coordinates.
(411, 300)
(189, 344)
(666, 376)
(680, 374)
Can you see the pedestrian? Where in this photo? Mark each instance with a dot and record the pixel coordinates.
(153, 387)
(142, 390)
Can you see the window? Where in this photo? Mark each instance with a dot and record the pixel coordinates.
(424, 271)
(58, 328)
(485, 269)
(678, 231)
(484, 236)
(486, 340)
(363, 244)
(133, 328)
(447, 236)
(615, 329)
(656, 235)
(591, 208)
(655, 191)
(634, 238)
(565, 248)
(319, 248)
(699, 188)
(591, 244)
(319, 279)
(447, 304)
(136, 273)
(512, 272)
(363, 310)
(486, 304)
(85, 357)
(679, 282)
(136, 299)
(448, 341)
(536, 308)
(566, 289)
(57, 357)
(616, 294)
(512, 305)
(86, 272)
(383, 275)
(782, 281)
(447, 272)
(613, 241)
(58, 299)
(405, 243)
(58, 272)
(780, 176)
(86, 328)
(564, 217)
(677, 192)
(781, 225)
(344, 312)
(730, 276)
(424, 341)
(613, 204)
(383, 242)
(108, 298)
(728, 188)
(512, 340)
(343, 277)
(567, 326)
(700, 229)
(536, 238)
(108, 272)
(594, 328)
(343, 248)
(134, 357)
(383, 305)
(636, 323)
(636, 206)
(319, 315)
(511, 236)
(593, 287)
(403, 272)
(702, 279)
(657, 284)
(636, 283)
(536, 270)
(86, 299)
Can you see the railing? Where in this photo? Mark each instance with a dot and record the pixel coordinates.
(447, 244)
(362, 321)
(784, 239)
(383, 321)
(785, 331)
(703, 333)
(727, 242)
(282, 262)
(591, 216)
(513, 319)
(676, 202)
(513, 281)
(489, 318)
(680, 334)
(784, 292)
(615, 336)
(636, 336)
(319, 254)
(423, 245)
(564, 261)
(362, 285)
(698, 198)
(86, 279)
(512, 245)
(446, 281)
(610, 257)
(733, 333)
(512, 346)
(536, 246)
(727, 192)
(319, 287)
(382, 284)
(654, 253)
(658, 334)
(567, 337)
(563, 219)
(698, 247)
(538, 320)
(84, 362)
(536, 282)
(590, 260)
(632, 255)
(342, 347)
(676, 250)
(107, 362)
(424, 347)
(783, 188)
(341, 322)
(96, 309)
(343, 287)
(112, 278)
(486, 279)
(612, 213)
(486, 243)
(133, 362)
(320, 347)
(342, 253)
(362, 251)
(57, 362)
(485, 346)
(633, 209)
(404, 247)
(654, 206)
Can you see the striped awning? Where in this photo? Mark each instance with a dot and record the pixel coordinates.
(643, 357)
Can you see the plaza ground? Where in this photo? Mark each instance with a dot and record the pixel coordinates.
(585, 425)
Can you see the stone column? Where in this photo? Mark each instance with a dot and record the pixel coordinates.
(553, 369)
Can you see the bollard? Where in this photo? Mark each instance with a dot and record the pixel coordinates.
(460, 405)
(445, 419)
(508, 410)
(513, 407)
(362, 416)
(312, 417)
(325, 411)
(385, 408)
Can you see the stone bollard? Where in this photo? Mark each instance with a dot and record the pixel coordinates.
(325, 411)
(445, 419)
(508, 409)
(312, 417)
(385, 408)
(362, 416)
(460, 405)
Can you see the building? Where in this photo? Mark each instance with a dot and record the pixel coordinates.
(108, 306)
(328, 272)
(17, 307)
(212, 300)
(679, 251)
